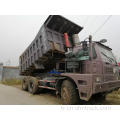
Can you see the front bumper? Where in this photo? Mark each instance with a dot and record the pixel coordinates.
(106, 86)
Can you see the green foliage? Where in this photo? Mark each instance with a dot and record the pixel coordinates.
(12, 81)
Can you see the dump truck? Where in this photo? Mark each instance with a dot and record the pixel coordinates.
(57, 60)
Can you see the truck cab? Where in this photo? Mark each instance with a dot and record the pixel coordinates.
(93, 69)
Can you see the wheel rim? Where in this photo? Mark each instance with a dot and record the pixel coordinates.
(24, 84)
(31, 85)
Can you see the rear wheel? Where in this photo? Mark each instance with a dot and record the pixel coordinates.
(33, 85)
(25, 83)
(69, 93)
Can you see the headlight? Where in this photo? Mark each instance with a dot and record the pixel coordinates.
(117, 78)
(98, 79)
(116, 71)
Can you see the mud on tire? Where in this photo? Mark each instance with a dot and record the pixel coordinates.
(33, 85)
(69, 93)
(25, 83)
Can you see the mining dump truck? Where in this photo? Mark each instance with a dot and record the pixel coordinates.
(57, 60)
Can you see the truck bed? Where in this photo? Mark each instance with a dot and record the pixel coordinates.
(48, 47)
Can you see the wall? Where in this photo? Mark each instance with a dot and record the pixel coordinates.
(9, 72)
(1, 71)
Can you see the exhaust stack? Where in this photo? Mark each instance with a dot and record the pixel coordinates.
(76, 39)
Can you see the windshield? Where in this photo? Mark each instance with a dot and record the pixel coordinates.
(107, 55)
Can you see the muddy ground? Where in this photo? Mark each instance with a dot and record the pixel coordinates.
(13, 95)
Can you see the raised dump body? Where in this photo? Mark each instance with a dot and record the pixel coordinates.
(48, 47)
(76, 70)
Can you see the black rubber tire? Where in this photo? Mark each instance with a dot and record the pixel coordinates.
(25, 83)
(33, 85)
(69, 93)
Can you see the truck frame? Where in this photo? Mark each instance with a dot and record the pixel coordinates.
(75, 71)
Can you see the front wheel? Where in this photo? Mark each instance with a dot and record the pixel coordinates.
(69, 93)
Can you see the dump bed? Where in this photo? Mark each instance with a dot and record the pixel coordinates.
(48, 47)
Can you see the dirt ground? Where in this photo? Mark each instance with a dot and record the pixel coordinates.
(10, 95)
(13, 95)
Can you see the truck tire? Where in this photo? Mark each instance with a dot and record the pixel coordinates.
(25, 83)
(33, 85)
(69, 93)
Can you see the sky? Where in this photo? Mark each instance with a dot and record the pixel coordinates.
(18, 31)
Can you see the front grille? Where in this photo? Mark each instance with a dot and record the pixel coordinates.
(108, 70)
(109, 78)
(113, 84)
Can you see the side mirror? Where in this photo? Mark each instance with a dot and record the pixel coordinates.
(103, 41)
